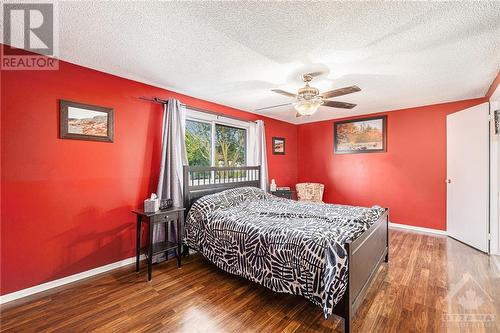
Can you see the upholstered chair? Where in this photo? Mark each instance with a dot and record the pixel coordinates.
(310, 192)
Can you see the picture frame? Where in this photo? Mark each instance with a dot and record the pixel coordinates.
(79, 121)
(360, 135)
(496, 116)
(278, 146)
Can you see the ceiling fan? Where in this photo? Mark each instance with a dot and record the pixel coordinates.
(309, 99)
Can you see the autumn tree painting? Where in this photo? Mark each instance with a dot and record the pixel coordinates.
(360, 135)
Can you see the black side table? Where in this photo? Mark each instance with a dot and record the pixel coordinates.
(288, 194)
(171, 215)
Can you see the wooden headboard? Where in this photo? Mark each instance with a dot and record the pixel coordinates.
(200, 181)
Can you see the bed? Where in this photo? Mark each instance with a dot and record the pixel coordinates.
(326, 253)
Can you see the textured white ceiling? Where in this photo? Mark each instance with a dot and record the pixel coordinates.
(401, 54)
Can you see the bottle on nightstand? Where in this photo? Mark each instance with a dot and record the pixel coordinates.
(272, 186)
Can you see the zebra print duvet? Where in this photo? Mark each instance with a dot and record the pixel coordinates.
(287, 246)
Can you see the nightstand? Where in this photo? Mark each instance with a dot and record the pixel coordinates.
(288, 194)
(165, 217)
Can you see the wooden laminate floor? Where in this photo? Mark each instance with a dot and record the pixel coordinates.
(432, 284)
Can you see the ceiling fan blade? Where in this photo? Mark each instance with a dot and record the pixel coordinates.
(274, 106)
(284, 93)
(314, 74)
(341, 105)
(340, 92)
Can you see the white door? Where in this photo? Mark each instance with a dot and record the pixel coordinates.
(467, 209)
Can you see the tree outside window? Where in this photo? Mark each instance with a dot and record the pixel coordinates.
(198, 143)
(229, 146)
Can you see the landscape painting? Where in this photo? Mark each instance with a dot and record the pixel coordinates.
(367, 135)
(278, 146)
(85, 122)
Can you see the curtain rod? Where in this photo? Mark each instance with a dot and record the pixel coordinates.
(194, 108)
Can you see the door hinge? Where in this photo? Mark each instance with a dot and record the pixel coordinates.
(489, 236)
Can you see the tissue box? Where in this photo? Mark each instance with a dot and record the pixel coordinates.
(151, 205)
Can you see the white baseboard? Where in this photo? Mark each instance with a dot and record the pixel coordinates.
(65, 280)
(419, 229)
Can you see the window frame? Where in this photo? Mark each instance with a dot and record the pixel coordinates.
(213, 120)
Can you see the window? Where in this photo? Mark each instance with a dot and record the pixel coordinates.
(230, 146)
(198, 143)
(213, 142)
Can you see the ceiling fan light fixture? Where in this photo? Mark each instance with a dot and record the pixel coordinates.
(308, 99)
(306, 107)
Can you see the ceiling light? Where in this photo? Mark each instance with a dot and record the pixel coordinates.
(306, 107)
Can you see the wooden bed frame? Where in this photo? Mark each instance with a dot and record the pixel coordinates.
(365, 254)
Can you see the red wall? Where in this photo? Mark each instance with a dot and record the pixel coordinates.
(65, 204)
(409, 178)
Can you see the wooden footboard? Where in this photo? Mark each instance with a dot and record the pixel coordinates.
(365, 254)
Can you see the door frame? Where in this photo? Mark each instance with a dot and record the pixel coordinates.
(494, 178)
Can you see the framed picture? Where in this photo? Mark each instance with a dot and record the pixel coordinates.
(362, 135)
(85, 122)
(278, 146)
(497, 121)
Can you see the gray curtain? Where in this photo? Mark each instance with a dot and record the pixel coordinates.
(173, 158)
(257, 151)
